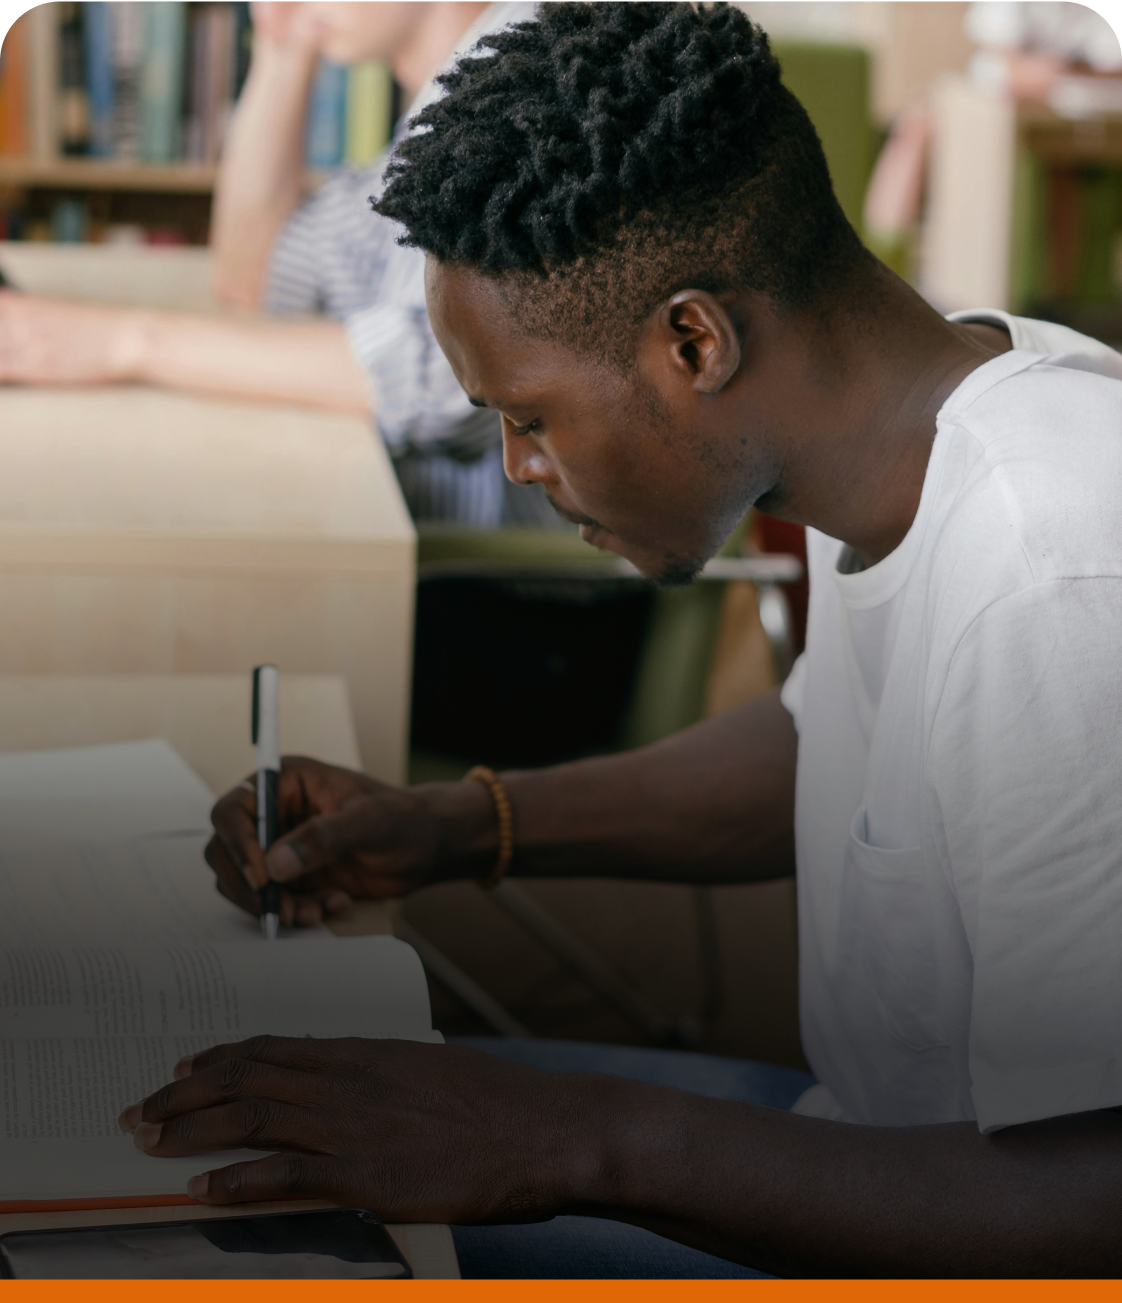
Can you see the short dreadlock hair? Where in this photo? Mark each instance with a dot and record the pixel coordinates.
(606, 155)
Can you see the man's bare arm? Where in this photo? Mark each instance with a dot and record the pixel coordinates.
(801, 1196)
(714, 804)
(498, 1141)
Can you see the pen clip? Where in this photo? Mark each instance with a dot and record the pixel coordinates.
(255, 713)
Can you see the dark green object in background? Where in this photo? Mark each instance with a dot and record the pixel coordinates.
(832, 83)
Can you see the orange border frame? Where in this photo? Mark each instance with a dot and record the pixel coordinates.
(561, 1291)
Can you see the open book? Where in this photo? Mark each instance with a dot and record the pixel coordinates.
(118, 958)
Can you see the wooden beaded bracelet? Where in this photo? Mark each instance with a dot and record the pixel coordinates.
(481, 774)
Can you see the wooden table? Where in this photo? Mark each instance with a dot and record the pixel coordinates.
(148, 531)
(144, 531)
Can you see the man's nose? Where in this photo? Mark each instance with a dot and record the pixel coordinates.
(523, 460)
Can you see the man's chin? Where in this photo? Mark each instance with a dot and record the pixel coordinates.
(678, 574)
(666, 571)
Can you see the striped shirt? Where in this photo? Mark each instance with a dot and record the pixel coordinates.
(337, 258)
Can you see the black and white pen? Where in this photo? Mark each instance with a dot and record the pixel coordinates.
(266, 742)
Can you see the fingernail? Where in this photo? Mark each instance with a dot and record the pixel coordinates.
(336, 902)
(183, 1067)
(147, 1135)
(130, 1118)
(284, 864)
(250, 876)
(197, 1186)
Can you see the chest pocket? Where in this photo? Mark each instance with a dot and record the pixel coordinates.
(889, 966)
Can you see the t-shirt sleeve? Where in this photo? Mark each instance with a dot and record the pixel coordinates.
(418, 403)
(332, 254)
(336, 257)
(1025, 762)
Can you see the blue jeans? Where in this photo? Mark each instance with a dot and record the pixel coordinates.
(592, 1248)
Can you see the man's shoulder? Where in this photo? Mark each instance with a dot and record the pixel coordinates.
(1036, 463)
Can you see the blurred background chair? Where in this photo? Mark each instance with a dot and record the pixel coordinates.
(534, 648)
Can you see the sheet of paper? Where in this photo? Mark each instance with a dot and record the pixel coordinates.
(106, 841)
(146, 890)
(102, 793)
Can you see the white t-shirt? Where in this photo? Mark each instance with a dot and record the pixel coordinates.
(959, 791)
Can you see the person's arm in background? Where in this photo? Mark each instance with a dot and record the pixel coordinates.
(44, 342)
(260, 177)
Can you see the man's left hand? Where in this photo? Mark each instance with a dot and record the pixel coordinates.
(414, 1132)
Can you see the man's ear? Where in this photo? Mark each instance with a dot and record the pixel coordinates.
(702, 337)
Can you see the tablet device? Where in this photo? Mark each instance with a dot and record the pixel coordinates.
(333, 1244)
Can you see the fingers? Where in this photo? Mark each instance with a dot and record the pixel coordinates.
(295, 910)
(244, 1124)
(303, 1054)
(280, 1176)
(234, 817)
(320, 843)
(223, 1080)
(307, 790)
(233, 879)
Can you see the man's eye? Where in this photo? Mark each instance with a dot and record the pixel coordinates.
(528, 429)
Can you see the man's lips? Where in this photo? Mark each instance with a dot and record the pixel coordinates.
(590, 530)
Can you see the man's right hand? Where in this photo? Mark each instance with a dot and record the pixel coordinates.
(347, 836)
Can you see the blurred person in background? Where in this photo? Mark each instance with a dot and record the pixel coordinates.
(1049, 52)
(358, 338)
(1024, 50)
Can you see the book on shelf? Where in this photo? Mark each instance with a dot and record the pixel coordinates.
(13, 91)
(42, 81)
(99, 76)
(369, 101)
(73, 96)
(157, 82)
(126, 31)
(161, 80)
(325, 141)
(1081, 224)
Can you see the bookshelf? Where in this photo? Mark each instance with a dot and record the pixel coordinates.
(101, 174)
(113, 114)
(1024, 210)
(95, 174)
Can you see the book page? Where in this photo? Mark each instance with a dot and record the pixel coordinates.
(84, 1033)
(352, 986)
(118, 956)
(151, 889)
(59, 1137)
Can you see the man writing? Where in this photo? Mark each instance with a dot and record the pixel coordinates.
(635, 257)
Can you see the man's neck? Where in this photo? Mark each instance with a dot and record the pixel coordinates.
(434, 40)
(870, 390)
